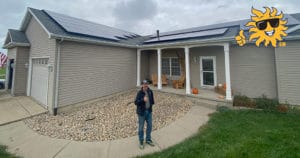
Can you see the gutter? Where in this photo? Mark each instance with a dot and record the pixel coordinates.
(57, 76)
(183, 43)
(15, 44)
(77, 39)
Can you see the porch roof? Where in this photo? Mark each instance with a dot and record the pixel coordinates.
(16, 38)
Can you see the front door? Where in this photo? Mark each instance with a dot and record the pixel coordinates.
(208, 71)
(10, 74)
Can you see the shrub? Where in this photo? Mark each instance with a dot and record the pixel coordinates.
(266, 103)
(282, 108)
(242, 100)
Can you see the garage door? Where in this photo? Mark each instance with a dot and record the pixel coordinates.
(39, 80)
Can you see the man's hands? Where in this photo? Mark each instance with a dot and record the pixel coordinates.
(145, 99)
(240, 39)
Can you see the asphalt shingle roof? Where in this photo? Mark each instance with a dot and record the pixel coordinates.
(54, 23)
(18, 36)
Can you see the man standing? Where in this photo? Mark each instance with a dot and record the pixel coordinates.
(144, 101)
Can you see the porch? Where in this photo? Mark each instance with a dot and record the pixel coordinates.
(204, 94)
(201, 66)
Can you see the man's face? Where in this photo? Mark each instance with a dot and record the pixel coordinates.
(145, 86)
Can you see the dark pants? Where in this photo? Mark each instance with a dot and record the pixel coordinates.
(148, 118)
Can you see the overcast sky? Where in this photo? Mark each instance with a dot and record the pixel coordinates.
(142, 16)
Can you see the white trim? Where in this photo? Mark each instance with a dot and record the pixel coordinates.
(41, 57)
(14, 44)
(227, 72)
(159, 86)
(75, 39)
(37, 19)
(24, 20)
(214, 70)
(138, 80)
(187, 70)
(194, 43)
(29, 77)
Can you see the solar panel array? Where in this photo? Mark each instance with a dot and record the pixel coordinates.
(79, 26)
(241, 23)
(189, 35)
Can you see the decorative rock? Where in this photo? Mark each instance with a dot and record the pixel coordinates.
(108, 119)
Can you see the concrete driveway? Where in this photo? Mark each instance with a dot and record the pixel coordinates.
(13, 109)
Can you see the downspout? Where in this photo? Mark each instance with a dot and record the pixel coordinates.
(57, 76)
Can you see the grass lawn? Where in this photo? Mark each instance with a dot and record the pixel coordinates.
(242, 134)
(2, 72)
(4, 154)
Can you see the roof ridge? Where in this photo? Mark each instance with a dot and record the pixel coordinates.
(89, 21)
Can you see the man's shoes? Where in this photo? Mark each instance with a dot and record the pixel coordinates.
(150, 142)
(141, 145)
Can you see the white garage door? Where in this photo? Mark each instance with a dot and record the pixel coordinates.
(39, 80)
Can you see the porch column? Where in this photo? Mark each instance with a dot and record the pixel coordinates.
(138, 69)
(159, 68)
(187, 70)
(227, 72)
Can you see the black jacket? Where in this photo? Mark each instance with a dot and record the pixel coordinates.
(139, 101)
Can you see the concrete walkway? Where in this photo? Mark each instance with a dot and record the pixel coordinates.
(24, 142)
(13, 109)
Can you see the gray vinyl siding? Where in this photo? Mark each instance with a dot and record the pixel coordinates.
(42, 47)
(91, 71)
(152, 63)
(20, 71)
(288, 72)
(195, 53)
(253, 71)
(144, 65)
(12, 53)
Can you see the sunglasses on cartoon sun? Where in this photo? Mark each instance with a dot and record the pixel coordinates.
(261, 25)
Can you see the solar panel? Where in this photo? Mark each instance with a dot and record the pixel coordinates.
(75, 25)
(189, 35)
(291, 21)
(201, 28)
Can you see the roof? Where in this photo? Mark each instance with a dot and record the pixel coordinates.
(216, 32)
(16, 38)
(60, 26)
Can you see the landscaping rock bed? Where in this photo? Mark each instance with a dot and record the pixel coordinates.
(109, 119)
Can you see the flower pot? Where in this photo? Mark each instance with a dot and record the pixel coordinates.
(195, 91)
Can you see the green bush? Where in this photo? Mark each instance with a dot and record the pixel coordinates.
(244, 101)
(266, 103)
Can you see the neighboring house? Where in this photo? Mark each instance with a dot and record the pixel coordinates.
(60, 60)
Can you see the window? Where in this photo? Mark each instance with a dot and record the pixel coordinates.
(40, 61)
(165, 66)
(170, 66)
(175, 67)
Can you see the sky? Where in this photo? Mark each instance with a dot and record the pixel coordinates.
(143, 17)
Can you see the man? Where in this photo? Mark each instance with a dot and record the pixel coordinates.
(144, 102)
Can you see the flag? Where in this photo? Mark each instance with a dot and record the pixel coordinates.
(3, 59)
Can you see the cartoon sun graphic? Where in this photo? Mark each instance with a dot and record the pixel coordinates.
(267, 27)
